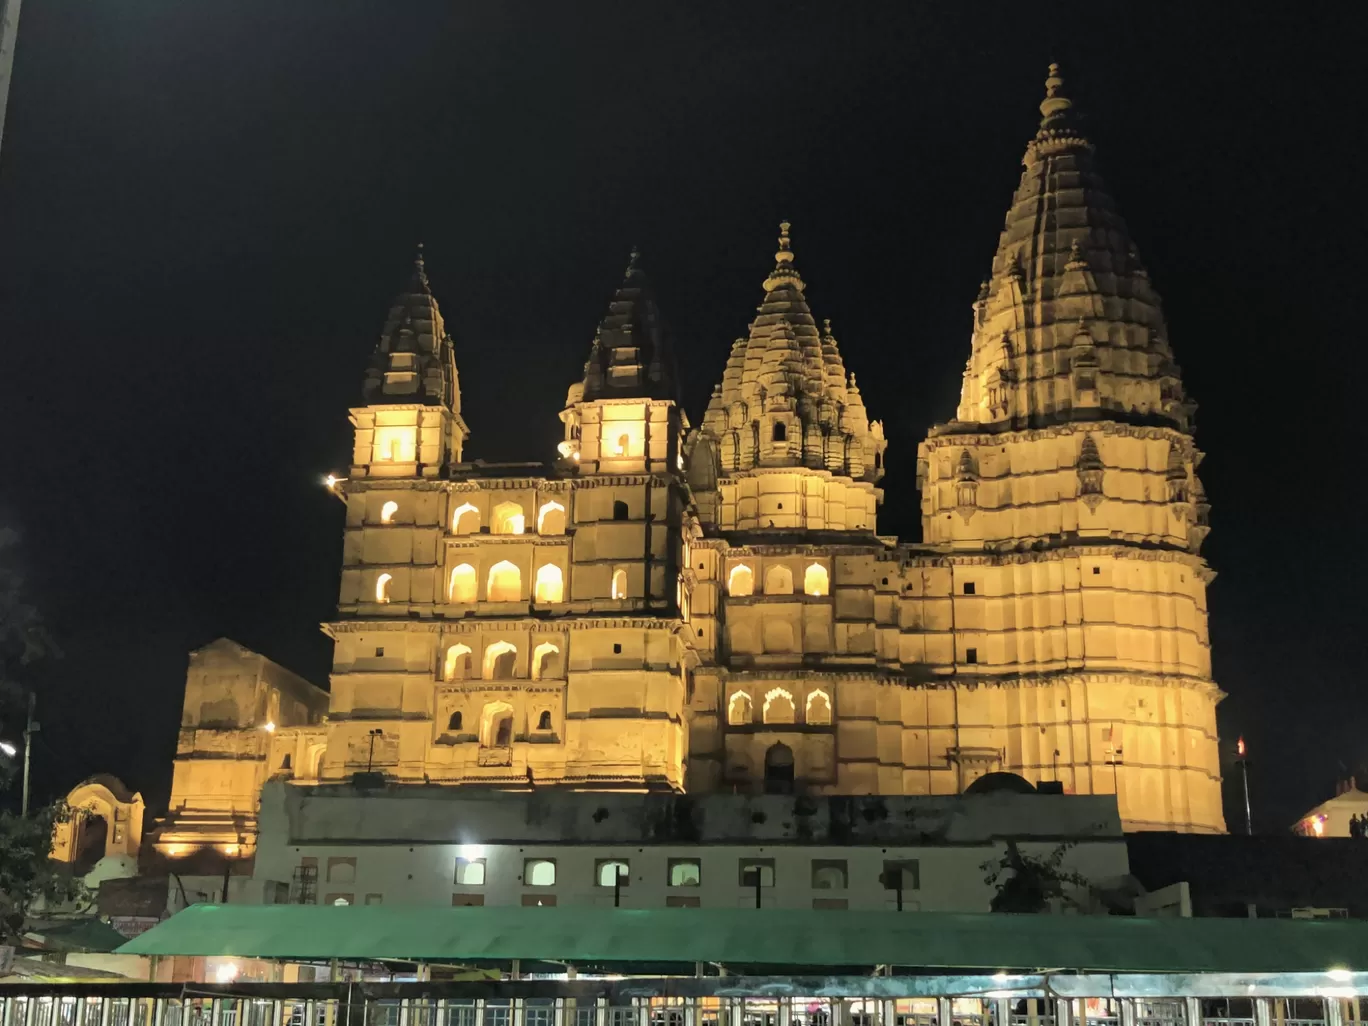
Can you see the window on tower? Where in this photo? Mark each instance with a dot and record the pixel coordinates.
(780, 431)
(550, 586)
(741, 581)
(387, 512)
(508, 519)
(619, 583)
(382, 587)
(505, 582)
(461, 585)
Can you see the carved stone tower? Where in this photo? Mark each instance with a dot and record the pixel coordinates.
(1070, 465)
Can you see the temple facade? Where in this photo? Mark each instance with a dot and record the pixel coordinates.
(712, 609)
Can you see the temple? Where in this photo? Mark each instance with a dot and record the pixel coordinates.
(711, 609)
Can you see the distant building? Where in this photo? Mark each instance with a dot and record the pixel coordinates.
(1332, 818)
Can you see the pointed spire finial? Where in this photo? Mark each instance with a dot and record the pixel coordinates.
(785, 254)
(784, 273)
(419, 271)
(1055, 101)
(633, 263)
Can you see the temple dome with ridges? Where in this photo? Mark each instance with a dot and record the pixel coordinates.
(785, 399)
(414, 362)
(1068, 327)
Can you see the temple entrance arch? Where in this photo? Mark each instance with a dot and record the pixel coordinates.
(103, 832)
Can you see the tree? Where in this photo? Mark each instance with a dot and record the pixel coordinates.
(1027, 884)
(29, 879)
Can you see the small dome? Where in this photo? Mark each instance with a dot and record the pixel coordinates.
(1000, 783)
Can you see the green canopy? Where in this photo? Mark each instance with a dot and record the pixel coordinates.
(794, 939)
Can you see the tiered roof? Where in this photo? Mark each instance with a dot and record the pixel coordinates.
(1068, 327)
(414, 361)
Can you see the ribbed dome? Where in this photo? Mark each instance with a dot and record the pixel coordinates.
(784, 399)
(630, 357)
(1068, 327)
(414, 361)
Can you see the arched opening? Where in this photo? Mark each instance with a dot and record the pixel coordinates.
(620, 510)
(778, 707)
(505, 582)
(619, 589)
(382, 587)
(550, 585)
(544, 720)
(778, 581)
(465, 519)
(780, 431)
(395, 448)
(454, 722)
(286, 764)
(387, 512)
(815, 580)
(461, 584)
(91, 830)
(499, 660)
(739, 712)
(508, 519)
(456, 666)
(612, 873)
(496, 725)
(779, 770)
(551, 518)
(539, 873)
(620, 449)
(546, 661)
(741, 581)
(818, 710)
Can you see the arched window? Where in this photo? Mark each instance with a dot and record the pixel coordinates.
(815, 580)
(287, 763)
(544, 720)
(829, 876)
(387, 512)
(778, 707)
(461, 584)
(622, 443)
(505, 582)
(818, 709)
(496, 725)
(546, 661)
(508, 519)
(741, 581)
(499, 660)
(456, 665)
(465, 519)
(778, 581)
(739, 709)
(612, 873)
(779, 770)
(454, 723)
(551, 518)
(539, 873)
(382, 587)
(550, 586)
(780, 431)
(619, 583)
(620, 511)
(394, 449)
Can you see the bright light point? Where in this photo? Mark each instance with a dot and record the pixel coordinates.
(8, 749)
(226, 973)
(1000, 977)
(470, 852)
(330, 480)
(1339, 975)
(575, 456)
(268, 726)
(564, 448)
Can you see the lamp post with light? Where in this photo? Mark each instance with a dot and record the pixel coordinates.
(10, 750)
(1242, 758)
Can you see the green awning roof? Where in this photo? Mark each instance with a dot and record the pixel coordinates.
(761, 937)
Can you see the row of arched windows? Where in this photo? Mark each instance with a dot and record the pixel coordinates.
(501, 660)
(496, 724)
(779, 707)
(778, 580)
(504, 584)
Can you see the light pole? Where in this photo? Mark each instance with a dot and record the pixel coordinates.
(370, 756)
(10, 751)
(1242, 757)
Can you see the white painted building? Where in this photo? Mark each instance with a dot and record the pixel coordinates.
(414, 845)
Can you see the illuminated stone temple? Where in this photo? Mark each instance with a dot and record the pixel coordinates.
(710, 608)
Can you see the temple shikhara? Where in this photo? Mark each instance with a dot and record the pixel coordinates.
(709, 607)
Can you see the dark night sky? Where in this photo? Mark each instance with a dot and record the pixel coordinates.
(205, 209)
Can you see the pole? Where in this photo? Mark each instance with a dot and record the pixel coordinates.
(30, 728)
(1249, 819)
(1056, 764)
(370, 756)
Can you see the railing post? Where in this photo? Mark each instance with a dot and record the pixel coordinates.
(1192, 1011)
(1334, 1011)
(1261, 1012)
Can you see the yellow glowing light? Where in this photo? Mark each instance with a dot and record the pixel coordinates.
(470, 852)
(575, 456)
(330, 480)
(269, 726)
(382, 584)
(226, 973)
(1339, 975)
(1318, 826)
(387, 512)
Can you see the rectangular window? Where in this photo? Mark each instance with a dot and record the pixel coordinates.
(460, 1013)
(466, 900)
(498, 1013)
(685, 872)
(545, 900)
(756, 872)
(830, 903)
(539, 1012)
(969, 587)
(683, 901)
(341, 870)
(375, 899)
(904, 873)
(622, 1017)
(971, 655)
(470, 872)
(586, 1015)
(539, 872)
(828, 875)
(612, 872)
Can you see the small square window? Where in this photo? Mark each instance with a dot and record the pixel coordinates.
(546, 900)
(617, 649)
(685, 872)
(780, 506)
(683, 901)
(969, 587)
(756, 872)
(971, 655)
(375, 899)
(379, 652)
(700, 632)
(466, 900)
(1097, 570)
(341, 870)
(340, 899)
(539, 873)
(470, 872)
(902, 874)
(828, 875)
(611, 872)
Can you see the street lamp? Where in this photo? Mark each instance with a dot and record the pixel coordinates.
(10, 750)
(1242, 757)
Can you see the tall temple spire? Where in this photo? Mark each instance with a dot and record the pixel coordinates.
(1066, 269)
(414, 360)
(630, 356)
